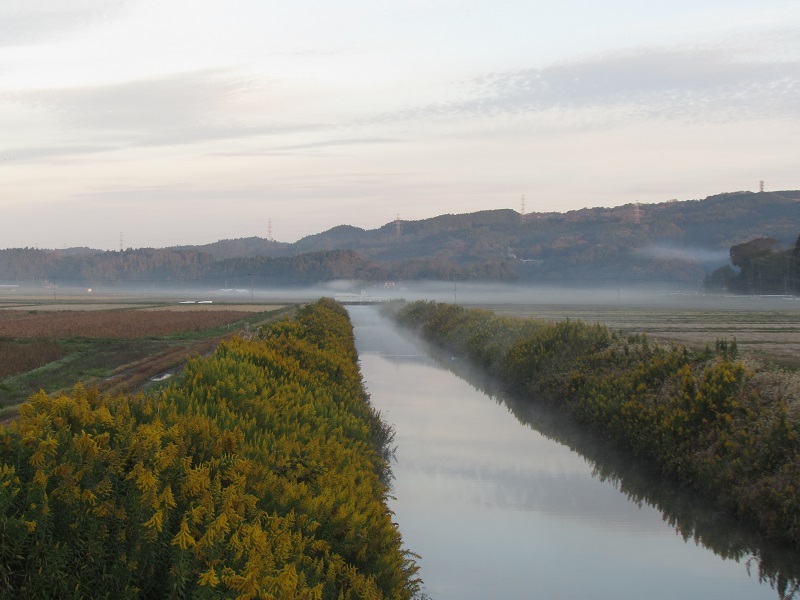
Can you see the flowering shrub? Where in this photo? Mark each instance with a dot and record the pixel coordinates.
(261, 474)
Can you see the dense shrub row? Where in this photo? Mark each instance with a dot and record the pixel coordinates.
(263, 474)
(700, 418)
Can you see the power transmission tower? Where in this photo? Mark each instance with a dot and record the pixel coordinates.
(522, 209)
(761, 186)
(397, 225)
(121, 241)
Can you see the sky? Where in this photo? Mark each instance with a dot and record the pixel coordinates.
(155, 123)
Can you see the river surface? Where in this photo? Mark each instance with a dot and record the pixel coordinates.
(496, 509)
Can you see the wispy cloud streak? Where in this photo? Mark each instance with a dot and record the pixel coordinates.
(691, 84)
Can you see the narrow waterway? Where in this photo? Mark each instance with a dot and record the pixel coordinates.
(497, 509)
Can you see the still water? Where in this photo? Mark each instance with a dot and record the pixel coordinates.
(497, 509)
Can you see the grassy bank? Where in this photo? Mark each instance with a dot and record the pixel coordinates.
(262, 473)
(707, 419)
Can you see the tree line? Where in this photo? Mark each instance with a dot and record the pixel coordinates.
(165, 268)
(262, 473)
(764, 268)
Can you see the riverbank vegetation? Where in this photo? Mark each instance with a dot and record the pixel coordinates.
(716, 423)
(262, 473)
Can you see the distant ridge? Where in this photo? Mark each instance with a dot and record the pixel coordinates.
(667, 241)
(714, 223)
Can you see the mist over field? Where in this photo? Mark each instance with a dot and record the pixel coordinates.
(677, 295)
(481, 294)
(703, 256)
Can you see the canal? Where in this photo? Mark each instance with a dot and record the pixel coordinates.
(500, 501)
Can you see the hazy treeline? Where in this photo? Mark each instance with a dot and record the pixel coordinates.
(706, 419)
(263, 473)
(155, 269)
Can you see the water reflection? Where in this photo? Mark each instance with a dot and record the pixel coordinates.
(774, 564)
(499, 510)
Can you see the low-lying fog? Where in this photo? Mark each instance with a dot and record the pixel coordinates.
(656, 296)
(505, 294)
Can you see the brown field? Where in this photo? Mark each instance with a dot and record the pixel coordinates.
(247, 308)
(127, 324)
(67, 306)
(20, 357)
(115, 347)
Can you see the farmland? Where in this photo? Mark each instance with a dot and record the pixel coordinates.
(115, 346)
(121, 343)
(768, 330)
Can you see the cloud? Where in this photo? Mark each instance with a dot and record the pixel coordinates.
(154, 109)
(299, 149)
(212, 105)
(30, 21)
(186, 108)
(182, 109)
(46, 152)
(683, 84)
(342, 142)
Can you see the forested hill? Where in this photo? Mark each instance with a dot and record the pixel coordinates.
(676, 240)
(671, 241)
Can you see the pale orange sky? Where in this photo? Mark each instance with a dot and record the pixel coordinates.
(178, 122)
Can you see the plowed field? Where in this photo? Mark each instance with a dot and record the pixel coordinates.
(111, 323)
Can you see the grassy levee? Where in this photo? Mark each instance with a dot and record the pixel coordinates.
(261, 473)
(709, 420)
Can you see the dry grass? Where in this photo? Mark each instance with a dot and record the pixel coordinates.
(773, 335)
(118, 324)
(777, 386)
